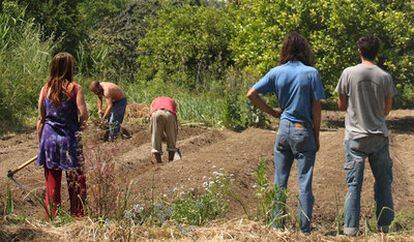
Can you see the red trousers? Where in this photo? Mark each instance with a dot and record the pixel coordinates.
(77, 191)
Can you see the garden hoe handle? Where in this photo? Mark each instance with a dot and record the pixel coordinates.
(10, 173)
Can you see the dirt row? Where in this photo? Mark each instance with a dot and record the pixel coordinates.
(208, 150)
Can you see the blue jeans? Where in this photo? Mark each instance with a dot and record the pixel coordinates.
(376, 149)
(295, 141)
(116, 118)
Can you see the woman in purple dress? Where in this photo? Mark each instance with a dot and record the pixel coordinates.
(62, 115)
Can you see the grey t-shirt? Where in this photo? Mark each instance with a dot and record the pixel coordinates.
(367, 87)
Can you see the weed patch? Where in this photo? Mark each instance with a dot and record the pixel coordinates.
(189, 208)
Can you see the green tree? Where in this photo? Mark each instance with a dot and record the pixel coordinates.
(113, 43)
(187, 45)
(332, 27)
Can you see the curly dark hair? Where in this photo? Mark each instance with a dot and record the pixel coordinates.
(295, 47)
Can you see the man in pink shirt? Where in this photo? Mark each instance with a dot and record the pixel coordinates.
(163, 125)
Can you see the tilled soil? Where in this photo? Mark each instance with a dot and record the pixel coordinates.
(208, 150)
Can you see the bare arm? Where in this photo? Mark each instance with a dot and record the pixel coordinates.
(108, 107)
(100, 112)
(388, 106)
(41, 114)
(257, 101)
(316, 117)
(83, 111)
(342, 102)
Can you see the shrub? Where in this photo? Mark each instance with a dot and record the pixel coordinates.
(234, 113)
(239, 112)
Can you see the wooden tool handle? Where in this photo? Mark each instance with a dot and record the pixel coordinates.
(10, 173)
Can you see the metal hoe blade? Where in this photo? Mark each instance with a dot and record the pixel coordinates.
(10, 175)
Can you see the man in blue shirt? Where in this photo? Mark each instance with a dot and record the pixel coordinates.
(299, 90)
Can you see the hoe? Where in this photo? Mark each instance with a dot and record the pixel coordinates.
(10, 173)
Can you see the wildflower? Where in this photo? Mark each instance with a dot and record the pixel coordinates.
(137, 209)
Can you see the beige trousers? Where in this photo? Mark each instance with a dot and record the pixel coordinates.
(163, 124)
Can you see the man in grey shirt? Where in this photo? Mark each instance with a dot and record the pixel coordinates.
(366, 92)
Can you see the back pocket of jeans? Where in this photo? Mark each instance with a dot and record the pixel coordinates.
(303, 140)
(281, 142)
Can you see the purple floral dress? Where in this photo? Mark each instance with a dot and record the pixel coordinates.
(59, 147)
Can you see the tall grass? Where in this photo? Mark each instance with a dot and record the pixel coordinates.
(24, 61)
